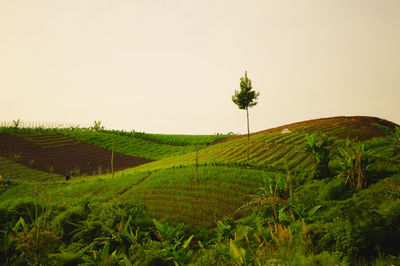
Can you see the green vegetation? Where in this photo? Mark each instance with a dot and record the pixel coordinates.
(23, 173)
(97, 125)
(151, 146)
(181, 140)
(301, 198)
(16, 123)
(319, 146)
(50, 141)
(128, 145)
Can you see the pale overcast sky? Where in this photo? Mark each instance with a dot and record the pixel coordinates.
(171, 66)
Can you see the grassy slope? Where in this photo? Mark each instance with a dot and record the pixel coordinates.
(20, 174)
(270, 152)
(224, 172)
(24, 174)
(227, 182)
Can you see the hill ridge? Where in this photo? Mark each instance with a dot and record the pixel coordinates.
(352, 122)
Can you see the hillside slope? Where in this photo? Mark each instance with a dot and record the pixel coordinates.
(224, 185)
(275, 150)
(270, 210)
(354, 127)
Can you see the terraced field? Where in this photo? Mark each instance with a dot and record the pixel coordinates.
(50, 141)
(273, 149)
(353, 127)
(61, 155)
(167, 186)
(174, 193)
(227, 180)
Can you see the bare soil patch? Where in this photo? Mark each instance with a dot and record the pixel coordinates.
(79, 157)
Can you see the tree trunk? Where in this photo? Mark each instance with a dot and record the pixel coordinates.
(248, 134)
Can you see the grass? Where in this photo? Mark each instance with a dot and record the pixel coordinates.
(128, 145)
(63, 193)
(153, 147)
(220, 191)
(173, 139)
(50, 141)
(18, 172)
(272, 150)
(328, 223)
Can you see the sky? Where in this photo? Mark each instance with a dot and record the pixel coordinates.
(172, 66)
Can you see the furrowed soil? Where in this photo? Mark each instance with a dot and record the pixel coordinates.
(77, 157)
(358, 127)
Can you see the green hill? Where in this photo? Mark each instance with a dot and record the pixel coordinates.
(278, 208)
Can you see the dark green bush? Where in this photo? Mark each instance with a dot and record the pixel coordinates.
(67, 222)
(334, 189)
(4, 218)
(24, 208)
(359, 232)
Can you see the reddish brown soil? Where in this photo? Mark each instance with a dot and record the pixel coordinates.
(363, 124)
(87, 158)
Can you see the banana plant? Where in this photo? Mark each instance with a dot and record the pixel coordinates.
(354, 162)
(176, 248)
(125, 238)
(97, 125)
(238, 254)
(16, 123)
(319, 146)
(393, 141)
(8, 239)
(183, 254)
(102, 258)
(166, 231)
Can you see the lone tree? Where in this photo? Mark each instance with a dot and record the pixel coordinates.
(244, 99)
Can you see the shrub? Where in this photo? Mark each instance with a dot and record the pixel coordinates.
(360, 232)
(68, 221)
(335, 189)
(24, 208)
(35, 246)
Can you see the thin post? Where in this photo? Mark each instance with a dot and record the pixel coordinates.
(248, 134)
(197, 161)
(112, 158)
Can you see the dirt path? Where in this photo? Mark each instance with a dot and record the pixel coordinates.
(131, 186)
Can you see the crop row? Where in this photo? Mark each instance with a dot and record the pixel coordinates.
(50, 141)
(220, 191)
(181, 206)
(268, 149)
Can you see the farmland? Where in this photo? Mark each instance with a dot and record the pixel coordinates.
(57, 154)
(273, 209)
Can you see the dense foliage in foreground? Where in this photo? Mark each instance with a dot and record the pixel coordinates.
(342, 208)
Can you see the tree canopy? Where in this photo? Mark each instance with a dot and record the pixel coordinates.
(246, 97)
